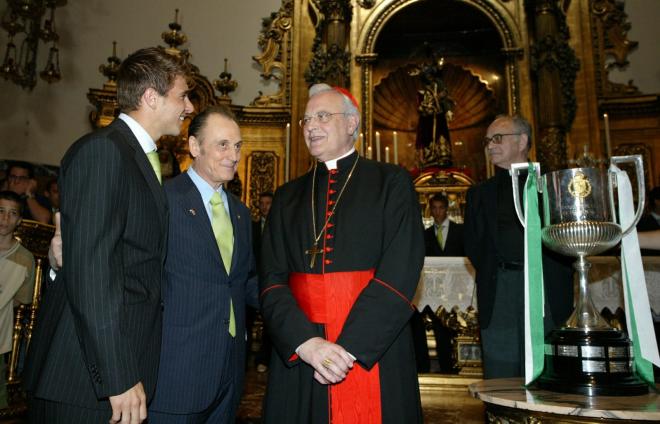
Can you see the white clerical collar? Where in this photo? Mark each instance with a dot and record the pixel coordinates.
(332, 164)
(143, 137)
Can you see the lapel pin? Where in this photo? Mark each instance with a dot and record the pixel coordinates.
(238, 216)
(192, 212)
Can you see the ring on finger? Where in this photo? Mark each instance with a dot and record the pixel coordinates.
(327, 362)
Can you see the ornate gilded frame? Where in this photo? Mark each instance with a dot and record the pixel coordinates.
(365, 57)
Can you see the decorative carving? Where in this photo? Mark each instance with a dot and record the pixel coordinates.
(551, 150)
(275, 44)
(647, 156)
(553, 53)
(466, 354)
(331, 61)
(505, 25)
(110, 70)
(174, 37)
(104, 100)
(225, 85)
(610, 40)
(262, 168)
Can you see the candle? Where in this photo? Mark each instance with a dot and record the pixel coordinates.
(287, 152)
(387, 154)
(361, 144)
(377, 146)
(369, 154)
(395, 144)
(608, 145)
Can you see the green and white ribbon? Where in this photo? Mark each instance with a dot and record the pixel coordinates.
(635, 295)
(534, 335)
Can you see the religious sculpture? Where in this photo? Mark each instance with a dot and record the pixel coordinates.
(432, 142)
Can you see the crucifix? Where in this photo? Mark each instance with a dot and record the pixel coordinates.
(313, 252)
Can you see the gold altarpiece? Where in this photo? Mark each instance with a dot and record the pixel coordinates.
(544, 59)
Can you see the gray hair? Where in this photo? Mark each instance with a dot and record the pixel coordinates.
(349, 107)
(520, 125)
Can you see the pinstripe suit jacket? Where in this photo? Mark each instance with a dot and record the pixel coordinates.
(99, 327)
(196, 292)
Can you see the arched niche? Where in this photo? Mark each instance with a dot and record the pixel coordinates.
(481, 43)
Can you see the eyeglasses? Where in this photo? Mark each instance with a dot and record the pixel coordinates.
(322, 117)
(18, 177)
(496, 138)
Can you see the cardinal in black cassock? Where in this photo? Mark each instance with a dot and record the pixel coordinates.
(342, 253)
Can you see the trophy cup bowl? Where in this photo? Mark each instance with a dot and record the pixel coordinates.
(586, 355)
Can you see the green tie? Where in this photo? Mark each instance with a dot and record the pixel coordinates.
(224, 236)
(439, 237)
(154, 160)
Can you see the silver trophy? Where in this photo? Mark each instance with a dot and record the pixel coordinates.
(586, 355)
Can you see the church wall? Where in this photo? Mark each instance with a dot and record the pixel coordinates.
(40, 125)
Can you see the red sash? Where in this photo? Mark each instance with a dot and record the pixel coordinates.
(327, 299)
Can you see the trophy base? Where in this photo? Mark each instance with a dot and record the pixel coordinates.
(590, 363)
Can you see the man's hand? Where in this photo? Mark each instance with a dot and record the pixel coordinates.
(330, 361)
(31, 187)
(55, 250)
(129, 407)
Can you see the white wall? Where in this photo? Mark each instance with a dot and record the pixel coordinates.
(644, 68)
(40, 125)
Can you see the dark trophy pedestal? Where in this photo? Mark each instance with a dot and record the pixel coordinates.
(591, 363)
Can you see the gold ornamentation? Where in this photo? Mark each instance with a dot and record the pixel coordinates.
(262, 166)
(174, 37)
(552, 59)
(507, 27)
(551, 150)
(610, 40)
(275, 59)
(579, 186)
(225, 85)
(332, 60)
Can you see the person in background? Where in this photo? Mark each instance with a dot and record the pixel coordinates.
(494, 243)
(52, 196)
(262, 357)
(16, 277)
(20, 180)
(444, 237)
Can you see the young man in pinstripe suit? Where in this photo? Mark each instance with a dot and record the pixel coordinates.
(94, 355)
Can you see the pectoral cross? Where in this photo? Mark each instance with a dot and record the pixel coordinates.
(313, 252)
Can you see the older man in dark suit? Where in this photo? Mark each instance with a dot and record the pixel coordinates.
(210, 275)
(94, 355)
(494, 242)
(444, 237)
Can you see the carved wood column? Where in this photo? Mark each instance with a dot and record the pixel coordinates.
(332, 56)
(555, 66)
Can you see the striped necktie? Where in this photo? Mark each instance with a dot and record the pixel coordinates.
(224, 236)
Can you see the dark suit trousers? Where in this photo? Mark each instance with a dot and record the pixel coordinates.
(221, 411)
(41, 411)
(503, 341)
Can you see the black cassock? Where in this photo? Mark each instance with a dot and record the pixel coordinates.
(376, 226)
